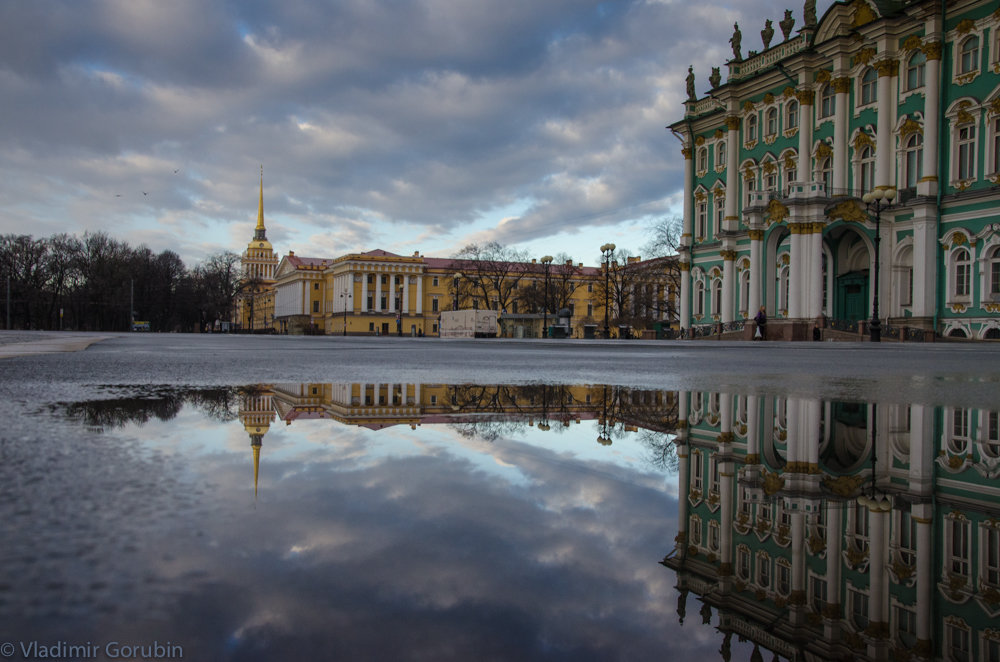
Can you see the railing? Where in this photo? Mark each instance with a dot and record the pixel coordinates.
(754, 64)
(850, 326)
(903, 195)
(736, 325)
(703, 330)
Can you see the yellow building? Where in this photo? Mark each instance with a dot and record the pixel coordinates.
(254, 306)
(381, 293)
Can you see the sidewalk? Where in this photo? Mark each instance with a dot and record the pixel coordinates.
(24, 343)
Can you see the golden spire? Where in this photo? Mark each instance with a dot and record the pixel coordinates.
(260, 205)
(255, 444)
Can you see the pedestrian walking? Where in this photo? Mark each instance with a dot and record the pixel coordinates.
(761, 320)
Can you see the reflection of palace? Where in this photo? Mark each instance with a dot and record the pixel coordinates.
(475, 408)
(783, 530)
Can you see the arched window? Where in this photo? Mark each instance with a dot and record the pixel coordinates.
(969, 56)
(716, 296)
(996, 143)
(772, 122)
(745, 292)
(866, 172)
(791, 115)
(699, 297)
(869, 87)
(703, 159)
(914, 159)
(720, 154)
(915, 68)
(702, 230)
(783, 288)
(967, 152)
(993, 273)
(720, 211)
(824, 170)
(962, 274)
(827, 106)
(751, 128)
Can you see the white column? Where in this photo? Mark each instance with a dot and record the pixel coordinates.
(684, 319)
(885, 156)
(378, 292)
(731, 222)
(805, 166)
(841, 120)
(928, 184)
(923, 517)
(815, 239)
(728, 286)
(406, 294)
(420, 294)
(753, 429)
(756, 268)
(364, 292)
(795, 276)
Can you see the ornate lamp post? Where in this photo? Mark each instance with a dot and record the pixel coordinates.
(606, 252)
(877, 201)
(346, 297)
(547, 261)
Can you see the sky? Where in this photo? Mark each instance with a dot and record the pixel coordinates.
(402, 125)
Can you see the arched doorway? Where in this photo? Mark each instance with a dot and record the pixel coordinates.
(852, 258)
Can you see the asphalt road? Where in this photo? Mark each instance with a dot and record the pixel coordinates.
(939, 373)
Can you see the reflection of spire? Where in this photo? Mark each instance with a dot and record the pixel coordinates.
(259, 233)
(755, 656)
(255, 444)
(726, 651)
(682, 605)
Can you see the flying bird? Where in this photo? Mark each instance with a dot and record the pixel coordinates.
(177, 171)
(144, 193)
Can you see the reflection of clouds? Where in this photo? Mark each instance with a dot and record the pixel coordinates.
(393, 555)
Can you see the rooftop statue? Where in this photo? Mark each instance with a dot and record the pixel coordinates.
(736, 40)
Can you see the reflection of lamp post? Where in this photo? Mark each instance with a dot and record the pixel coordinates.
(874, 202)
(547, 261)
(346, 297)
(604, 438)
(606, 251)
(873, 503)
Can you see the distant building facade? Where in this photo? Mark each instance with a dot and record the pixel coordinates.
(381, 293)
(875, 95)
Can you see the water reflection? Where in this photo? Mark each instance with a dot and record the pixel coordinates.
(840, 530)
(525, 522)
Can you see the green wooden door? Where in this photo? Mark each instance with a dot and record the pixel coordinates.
(852, 296)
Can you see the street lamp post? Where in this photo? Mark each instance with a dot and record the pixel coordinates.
(877, 201)
(399, 313)
(606, 251)
(346, 297)
(547, 261)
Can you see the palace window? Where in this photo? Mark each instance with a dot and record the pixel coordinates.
(744, 292)
(866, 173)
(859, 608)
(916, 67)
(827, 105)
(958, 442)
(869, 87)
(703, 159)
(751, 128)
(792, 115)
(716, 296)
(967, 152)
(824, 171)
(784, 578)
(763, 570)
(702, 230)
(817, 589)
(958, 532)
(750, 186)
(959, 642)
(990, 546)
(772, 122)
(968, 59)
(720, 154)
(714, 537)
(434, 305)
(783, 275)
(743, 563)
(906, 625)
(906, 538)
(914, 161)
(696, 531)
(697, 471)
(720, 211)
(435, 281)
(995, 143)
(991, 426)
(699, 297)
(961, 268)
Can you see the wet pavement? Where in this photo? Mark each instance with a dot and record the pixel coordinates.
(261, 498)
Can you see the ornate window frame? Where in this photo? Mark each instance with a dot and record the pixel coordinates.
(909, 150)
(826, 105)
(789, 160)
(988, 266)
(914, 76)
(866, 92)
(790, 113)
(991, 146)
(863, 159)
(963, 114)
(963, 71)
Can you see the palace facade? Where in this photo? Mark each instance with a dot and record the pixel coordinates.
(875, 96)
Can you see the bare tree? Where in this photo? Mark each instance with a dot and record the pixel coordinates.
(489, 274)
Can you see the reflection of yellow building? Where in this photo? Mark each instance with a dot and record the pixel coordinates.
(829, 530)
(379, 293)
(256, 413)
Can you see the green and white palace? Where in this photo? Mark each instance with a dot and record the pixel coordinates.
(900, 99)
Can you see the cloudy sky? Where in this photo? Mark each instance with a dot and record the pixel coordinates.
(406, 125)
